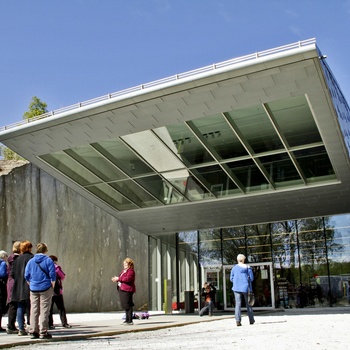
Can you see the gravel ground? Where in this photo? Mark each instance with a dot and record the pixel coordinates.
(280, 331)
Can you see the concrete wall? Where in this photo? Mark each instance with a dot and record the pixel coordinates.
(90, 244)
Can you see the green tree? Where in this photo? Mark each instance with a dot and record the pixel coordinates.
(36, 108)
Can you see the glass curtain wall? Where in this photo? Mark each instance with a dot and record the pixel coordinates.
(310, 261)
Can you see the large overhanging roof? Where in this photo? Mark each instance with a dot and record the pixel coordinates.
(254, 139)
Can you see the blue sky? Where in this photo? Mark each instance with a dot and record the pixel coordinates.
(70, 51)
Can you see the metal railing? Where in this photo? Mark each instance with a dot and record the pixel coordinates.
(165, 80)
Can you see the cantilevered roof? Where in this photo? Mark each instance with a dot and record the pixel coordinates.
(249, 140)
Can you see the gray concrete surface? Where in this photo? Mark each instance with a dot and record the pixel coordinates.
(321, 329)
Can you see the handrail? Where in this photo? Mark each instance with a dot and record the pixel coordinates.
(165, 80)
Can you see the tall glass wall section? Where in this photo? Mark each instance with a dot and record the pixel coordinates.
(310, 261)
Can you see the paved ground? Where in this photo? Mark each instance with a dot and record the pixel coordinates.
(320, 329)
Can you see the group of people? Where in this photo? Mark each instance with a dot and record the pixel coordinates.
(241, 277)
(30, 285)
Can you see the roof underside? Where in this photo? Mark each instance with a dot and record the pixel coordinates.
(250, 142)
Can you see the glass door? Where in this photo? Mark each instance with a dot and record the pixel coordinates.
(262, 287)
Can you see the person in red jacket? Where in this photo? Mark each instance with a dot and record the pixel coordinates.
(126, 288)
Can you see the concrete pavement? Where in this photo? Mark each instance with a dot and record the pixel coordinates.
(87, 325)
(92, 325)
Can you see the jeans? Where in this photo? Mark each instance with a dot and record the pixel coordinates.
(23, 307)
(238, 315)
(209, 305)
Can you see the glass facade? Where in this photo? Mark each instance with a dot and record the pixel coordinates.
(297, 264)
(268, 147)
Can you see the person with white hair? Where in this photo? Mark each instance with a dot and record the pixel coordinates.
(241, 278)
(3, 282)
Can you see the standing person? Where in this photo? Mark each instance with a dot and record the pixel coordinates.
(240, 275)
(41, 276)
(3, 282)
(12, 305)
(20, 291)
(126, 288)
(208, 292)
(58, 296)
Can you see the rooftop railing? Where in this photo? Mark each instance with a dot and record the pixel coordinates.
(164, 81)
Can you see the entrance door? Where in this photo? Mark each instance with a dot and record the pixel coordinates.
(262, 287)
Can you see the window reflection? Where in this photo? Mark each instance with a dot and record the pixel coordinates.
(295, 120)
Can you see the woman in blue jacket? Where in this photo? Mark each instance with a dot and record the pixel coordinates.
(3, 281)
(40, 273)
(240, 275)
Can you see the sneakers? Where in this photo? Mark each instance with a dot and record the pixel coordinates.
(22, 332)
(238, 323)
(129, 323)
(34, 335)
(45, 336)
(66, 325)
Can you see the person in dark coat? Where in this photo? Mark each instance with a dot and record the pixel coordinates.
(208, 292)
(12, 305)
(20, 291)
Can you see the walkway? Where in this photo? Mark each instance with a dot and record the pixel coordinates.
(278, 323)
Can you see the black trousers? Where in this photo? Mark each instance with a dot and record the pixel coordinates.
(58, 300)
(12, 314)
(127, 304)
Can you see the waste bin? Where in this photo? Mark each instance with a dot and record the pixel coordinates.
(189, 302)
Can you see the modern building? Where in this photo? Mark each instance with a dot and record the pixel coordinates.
(249, 155)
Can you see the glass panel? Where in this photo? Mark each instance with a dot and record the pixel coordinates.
(195, 191)
(286, 263)
(218, 135)
(338, 246)
(135, 193)
(281, 169)
(161, 189)
(123, 157)
(68, 166)
(258, 243)
(188, 255)
(187, 146)
(249, 175)
(215, 179)
(295, 121)
(93, 161)
(153, 150)
(188, 186)
(313, 263)
(153, 275)
(210, 247)
(233, 243)
(315, 164)
(256, 127)
(115, 199)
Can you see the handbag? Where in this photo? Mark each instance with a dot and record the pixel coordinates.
(251, 296)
